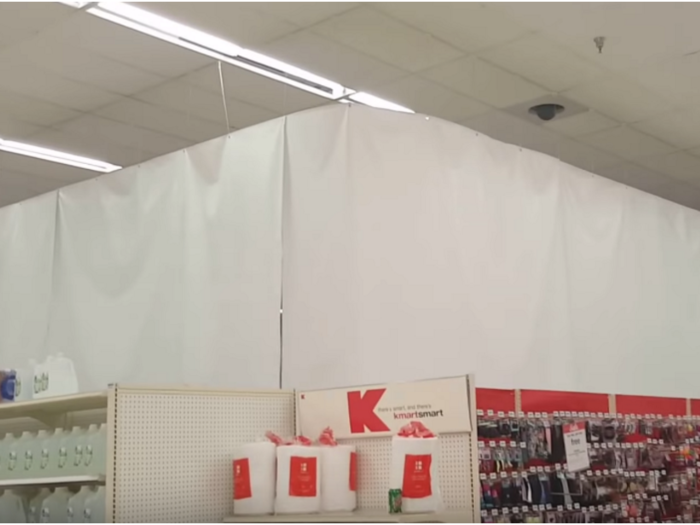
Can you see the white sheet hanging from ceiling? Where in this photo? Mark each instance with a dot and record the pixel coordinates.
(169, 272)
(26, 261)
(417, 248)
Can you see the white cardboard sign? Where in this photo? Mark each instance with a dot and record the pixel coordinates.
(576, 447)
(442, 405)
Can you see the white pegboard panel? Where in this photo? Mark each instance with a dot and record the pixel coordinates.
(455, 471)
(173, 449)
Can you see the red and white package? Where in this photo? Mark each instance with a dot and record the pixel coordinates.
(414, 468)
(254, 478)
(298, 475)
(338, 474)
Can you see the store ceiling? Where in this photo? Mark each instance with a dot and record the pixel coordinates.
(74, 82)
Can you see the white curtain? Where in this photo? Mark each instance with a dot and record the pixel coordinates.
(170, 272)
(417, 248)
(26, 261)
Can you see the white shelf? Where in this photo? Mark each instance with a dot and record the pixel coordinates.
(52, 406)
(58, 480)
(356, 517)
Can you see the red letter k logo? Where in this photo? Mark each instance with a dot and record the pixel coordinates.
(361, 410)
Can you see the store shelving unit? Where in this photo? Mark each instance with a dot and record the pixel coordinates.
(357, 517)
(58, 481)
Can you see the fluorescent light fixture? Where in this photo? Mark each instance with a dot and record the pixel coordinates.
(57, 156)
(179, 34)
(376, 102)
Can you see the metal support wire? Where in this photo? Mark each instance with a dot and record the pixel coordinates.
(223, 97)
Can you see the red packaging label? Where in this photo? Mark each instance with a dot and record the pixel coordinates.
(353, 471)
(302, 477)
(241, 479)
(416, 476)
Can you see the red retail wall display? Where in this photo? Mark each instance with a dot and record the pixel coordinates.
(552, 401)
(695, 407)
(665, 406)
(496, 399)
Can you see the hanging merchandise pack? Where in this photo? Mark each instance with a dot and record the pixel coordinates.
(254, 478)
(338, 474)
(414, 469)
(298, 476)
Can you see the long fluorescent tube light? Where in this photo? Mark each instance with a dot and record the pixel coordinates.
(209, 45)
(60, 157)
(376, 102)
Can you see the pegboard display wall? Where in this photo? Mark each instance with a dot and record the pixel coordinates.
(374, 460)
(172, 449)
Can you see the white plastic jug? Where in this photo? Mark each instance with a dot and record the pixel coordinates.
(34, 510)
(54, 509)
(45, 459)
(13, 507)
(25, 454)
(94, 450)
(41, 381)
(10, 459)
(77, 437)
(64, 380)
(24, 382)
(95, 507)
(63, 441)
(76, 504)
(33, 465)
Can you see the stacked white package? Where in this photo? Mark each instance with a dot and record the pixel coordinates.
(338, 478)
(254, 478)
(298, 480)
(414, 469)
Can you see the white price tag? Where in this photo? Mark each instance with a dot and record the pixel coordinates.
(511, 414)
(482, 476)
(560, 508)
(506, 511)
(501, 414)
(489, 413)
(492, 475)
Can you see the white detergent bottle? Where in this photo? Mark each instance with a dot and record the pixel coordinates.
(24, 382)
(25, 454)
(34, 509)
(64, 380)
(54, 508)
(76, 455)
(76, 504)
(13, 507)
(95, 507)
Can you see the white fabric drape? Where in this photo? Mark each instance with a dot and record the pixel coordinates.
(417, 248)
(26, 261)
(169, 272)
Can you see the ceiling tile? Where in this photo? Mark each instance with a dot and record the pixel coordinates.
(32, 110)
(83, 66)
(484, 82)
(683, 194)
(187, 99)
(540, 15)
(635, 176)
(679, 128)
(429, 98)
(580, 124)
(33, 183)
(117, 133)
(237, 22)
(387, 39)
(513, 130)
(162, 120)
(468, 26)
(49, 170)
(619, 99)
(332, 60)
(543, 62)
(676, 79)
(15, 129)
(10, 194)
(584, 156)
(255, 89)
(637, 33)
(31, 81)
(626, 142)
(125, 45)
(679, 165)
(22, 20)
(304, 14)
